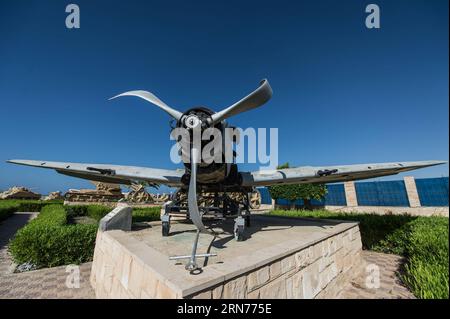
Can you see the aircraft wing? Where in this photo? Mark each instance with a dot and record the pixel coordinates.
(330, 174)
(117, 174)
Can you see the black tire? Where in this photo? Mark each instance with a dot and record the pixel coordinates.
(239, 233)
(165, 229)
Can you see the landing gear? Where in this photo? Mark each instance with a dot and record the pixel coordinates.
(239, 227)
(165, 229)
(165, 225)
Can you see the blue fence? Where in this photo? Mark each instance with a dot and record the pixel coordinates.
(335, 195)
(265, 195)
(433, 191)
(389, 193)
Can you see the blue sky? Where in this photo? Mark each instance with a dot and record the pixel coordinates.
(343, 94)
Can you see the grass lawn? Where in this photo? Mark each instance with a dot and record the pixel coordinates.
(423, 241)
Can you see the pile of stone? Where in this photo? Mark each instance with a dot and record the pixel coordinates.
(19, 192)
(54, 196)
(104, 192)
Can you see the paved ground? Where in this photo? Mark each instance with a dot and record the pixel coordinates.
(7, 230)
(43, 283)
(389, 287)
(51, 282)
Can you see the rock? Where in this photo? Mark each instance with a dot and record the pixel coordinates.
(54, 196)
(18, 192)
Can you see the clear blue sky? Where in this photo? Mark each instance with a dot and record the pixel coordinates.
(343, 94)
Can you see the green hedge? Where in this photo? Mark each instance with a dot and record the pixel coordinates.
(10, 206)
(48, 241)
(96, 212)
(424, 241)
(374, 228)
(146, 214)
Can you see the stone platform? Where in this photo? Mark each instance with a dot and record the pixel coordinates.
(280, 258)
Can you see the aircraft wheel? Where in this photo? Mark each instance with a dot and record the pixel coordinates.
(165, 229)
(239, 233)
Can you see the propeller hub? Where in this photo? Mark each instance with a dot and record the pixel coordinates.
(192, 121)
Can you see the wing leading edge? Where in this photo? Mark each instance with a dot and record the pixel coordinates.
(330, 174)
(110, 173)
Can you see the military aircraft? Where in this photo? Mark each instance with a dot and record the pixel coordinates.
(219, 178)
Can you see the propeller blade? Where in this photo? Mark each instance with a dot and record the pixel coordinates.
(150, 97)
(257, 98)
(194, 213)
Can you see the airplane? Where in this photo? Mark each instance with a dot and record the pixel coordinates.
(219, 178)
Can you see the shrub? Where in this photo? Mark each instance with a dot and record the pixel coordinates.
(146, 214)
(10, 206)
(374, 228)
(97, 212)
(47, 241)
(7, 209)
(424, 241)
(75, 210)
(54, 215)
(49, 245)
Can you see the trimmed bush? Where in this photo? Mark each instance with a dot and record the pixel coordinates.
(10, 206)
(47, 241)
(97, 212)
(374, 228)
(7, 209)
(48, 245)
(146, 214)
(424, 241)
(75, 210)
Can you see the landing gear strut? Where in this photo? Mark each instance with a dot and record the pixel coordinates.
(223, 205)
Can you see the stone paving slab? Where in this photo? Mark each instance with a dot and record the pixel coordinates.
(48, 283)
(8, 228)
(390, 286)
(43, 283)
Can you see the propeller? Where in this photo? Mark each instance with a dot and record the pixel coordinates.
(255, 99)
(194, 212)
(150, 97)
(194, 123)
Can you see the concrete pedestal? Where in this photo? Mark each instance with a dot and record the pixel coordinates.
(280, 258)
